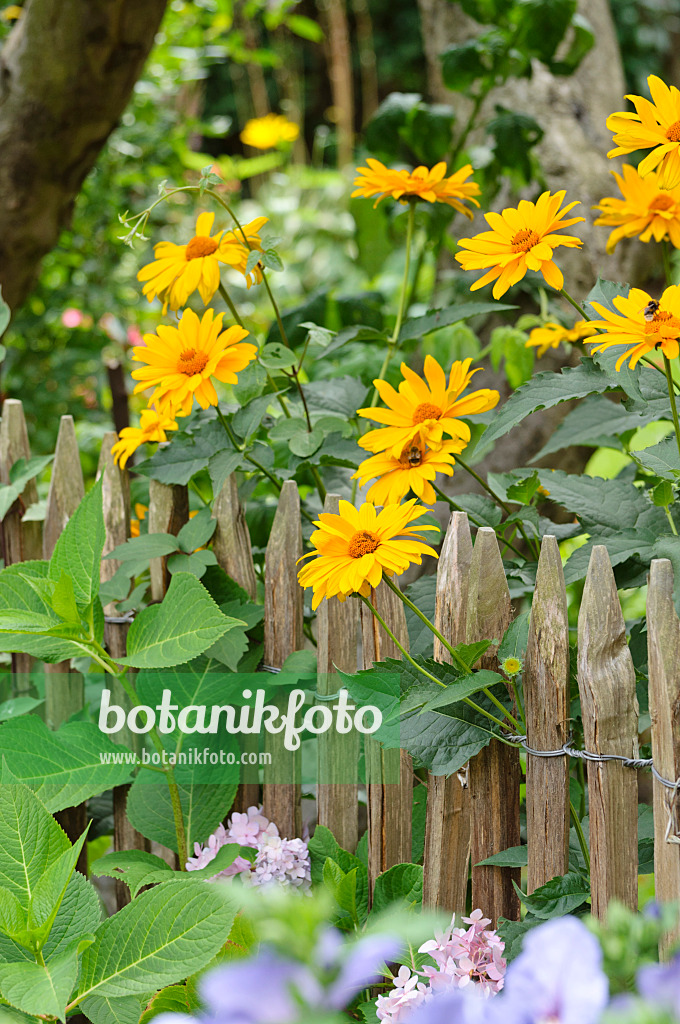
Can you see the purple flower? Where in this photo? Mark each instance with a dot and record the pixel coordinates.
(659, 984)
(557, 978)
(361, 968)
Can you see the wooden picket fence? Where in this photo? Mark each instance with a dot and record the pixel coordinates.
(470, 815)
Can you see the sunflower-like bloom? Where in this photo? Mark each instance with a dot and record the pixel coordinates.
(643, 324)
(655, 126)
(425, 409)
(178, 270)
(153, 426)
(355, 547)
(268, 131)
(646, 210)
(551, 335)
(432, 186)
(521, 238)
(181, 361)
(412, 471)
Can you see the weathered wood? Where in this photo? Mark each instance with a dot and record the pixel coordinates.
(609, 709)
(168, 512)
(67, 487)
(447, 824)
(494, 775)
(546, 695)
(338, 754)
(389, 773)
(231, 540)
(21, 540)
(283, 634)
(663, 645)
(116, 506)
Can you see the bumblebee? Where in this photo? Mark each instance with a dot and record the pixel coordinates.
(650, 309)
(415, 456)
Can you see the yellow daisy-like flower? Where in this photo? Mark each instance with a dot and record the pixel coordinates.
(521, 238)
(153, 426)
(355, 547)
(268, 131)
(425, 409)
(181, 361)
(551, 335)
(655, 126)
(432, 186)
(234, 250)
(412, 471)
(11, 13)
(643, 323)
(141, 511)
(178, 270)
(646, 210)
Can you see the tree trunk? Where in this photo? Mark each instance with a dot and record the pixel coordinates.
(67, 71)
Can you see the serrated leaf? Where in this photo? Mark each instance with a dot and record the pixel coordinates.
(164, 935)
(662, 459)
(189, 452)
(559, 896)
(513, 857)
(63, 600)
(102, 1010)
(133, 867)
(466, 686)
(173, 999)
(197, 531)
(515, 640)
(401, 883)
(78, 551)
(434, 319)
(43, 988)
(181, 628)
(271, 259)
(30, 841)
(49, 892)
(596, 422)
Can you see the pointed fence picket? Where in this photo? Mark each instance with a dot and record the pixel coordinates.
(463, 824)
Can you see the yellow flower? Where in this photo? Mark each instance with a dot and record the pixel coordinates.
(178, 270)
(354, 548)
(646, 210)
(235, 251)
(551, 335)
(432, 186)
(512, 666)
(425, 409)
(268, 131)
(141, 511)
(152, 427)
(412, 471)
(11, 13)
(181, 361)
(654, 126)
(644, 324)
(521, 239)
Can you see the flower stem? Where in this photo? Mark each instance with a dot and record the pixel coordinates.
(579, 309)
(518, 701)
(473, 519)
(506, 508)
(394, 339)
(671, 395)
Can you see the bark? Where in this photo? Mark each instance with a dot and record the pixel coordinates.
(67, 71)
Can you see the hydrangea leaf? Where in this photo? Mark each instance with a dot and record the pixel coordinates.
(78, 552)
(43, 988)
(558, 897)
(403, 883)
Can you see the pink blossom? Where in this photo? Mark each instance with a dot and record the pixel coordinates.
(134, 335)
(72, 317)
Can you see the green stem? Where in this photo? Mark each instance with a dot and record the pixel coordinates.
(579, 309)
(581, 837)
(518, 701)
(423, 671)
(671, 395)
(227, 429)
(452, 651)
(394, 339)
(670, 520)
(462, 138)
(39, 958)
(474, 520)
(506, 508)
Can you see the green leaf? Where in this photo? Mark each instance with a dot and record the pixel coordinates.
(428, 131)
(523, 490)
(196, 564)
(546, 390)
(513, 857)
(24, 470)
(542, 26)
(78, 552)
(49, 892)
(474, 59)
(271, 260)
(204, 805)
(197, 531)
(103, 1010)
(18, 706)
(136, 553)
(322, 846)
(582, 41)
(277, 356)
(230, 648)
(247, 419)
(304, 27)
(63, 767)
(189, 452)
(466, 686)
(63, 600)
(134, 867)
(515, 640)
(423, 594)
(221, 465)
(603, 504)
(181, 628)
(662, 494)
(164, 935)
(596, 423)
(340, 395)
(25, 613)
(434, 319)
(305, 444)
(557, 897)
(401, 883)
(43, 989)
(30, 841)
(662, 459)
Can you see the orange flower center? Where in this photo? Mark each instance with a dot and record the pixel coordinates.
(673, 132)
(524, 240)
(661, 203)
(426, 411)
(662, 319)
(191, 362)
(362, 543)
(200, 245)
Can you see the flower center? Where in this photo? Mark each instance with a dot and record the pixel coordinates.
(663, 323)
(200, 245)
(191, 362)
(524, 240)
(661, 203)
(362, 543)
(673, 132)
(426, 411)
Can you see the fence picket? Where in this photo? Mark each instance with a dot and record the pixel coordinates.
(447, 824)
(663, 639)
(231, 541)
(546, 696)
(389, 773)
(283, 634)
(609, 709)
(338, 754)
(116, 507)
(494, 774)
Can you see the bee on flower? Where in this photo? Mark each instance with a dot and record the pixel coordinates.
(551, 335)
(414, 470)
(432, 186)
(642, 323)
(646, 211)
